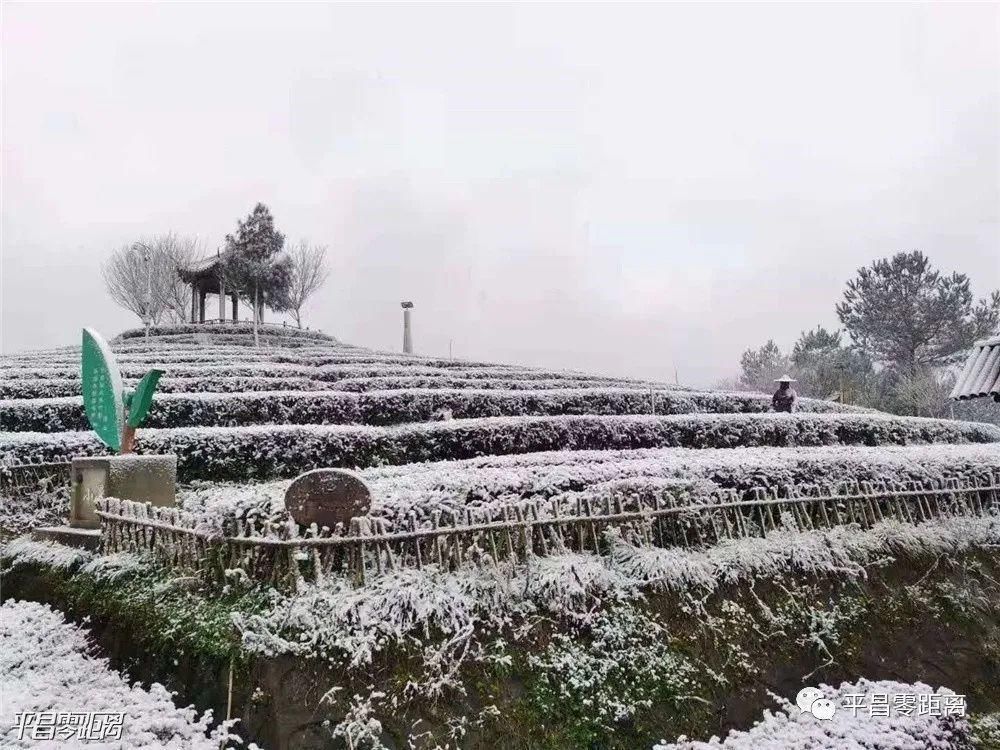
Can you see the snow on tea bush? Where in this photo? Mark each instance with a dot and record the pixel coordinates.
(211, 369)
(603, 671)
(109, 568)
(62, 387)
(225, 330)
(218, 505)
(26, 551)
(565, 475)
(24, 511)
(842, 551)
(48, 665)
(510, 383)
(25, 388)
(789, 728)
(27, 502)
(267, 368)
(384, 407)
(263, 452)
(338, 620)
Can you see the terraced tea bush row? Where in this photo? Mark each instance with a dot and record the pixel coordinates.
(567, 476)
(241, 330)
(309, 357)
(222, 453)
(328, 373)
(63, 388)
(388, 407)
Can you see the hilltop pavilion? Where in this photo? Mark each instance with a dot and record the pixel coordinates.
(206, 277)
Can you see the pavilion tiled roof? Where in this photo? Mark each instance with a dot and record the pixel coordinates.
(201, 266)
(981, 374)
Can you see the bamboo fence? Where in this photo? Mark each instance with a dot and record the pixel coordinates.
(26, 479)
(284, 555)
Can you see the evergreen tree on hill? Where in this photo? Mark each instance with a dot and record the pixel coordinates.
(256, 267)
(759, 367)
(914, 321)
(826, 367)
(907, 316)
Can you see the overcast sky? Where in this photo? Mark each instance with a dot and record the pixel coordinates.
(627, 190)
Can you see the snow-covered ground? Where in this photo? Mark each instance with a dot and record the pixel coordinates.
(49, 672)
(851, 727)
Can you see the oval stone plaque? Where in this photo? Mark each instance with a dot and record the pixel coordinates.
(327, 497)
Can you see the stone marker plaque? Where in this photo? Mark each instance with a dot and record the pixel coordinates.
(327, 497)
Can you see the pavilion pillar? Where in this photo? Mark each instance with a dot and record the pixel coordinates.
(222, 300)
(201, 307)
(194, 303)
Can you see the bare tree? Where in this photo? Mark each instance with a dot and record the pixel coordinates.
(309, 272)
(175, 252)
(142, 277)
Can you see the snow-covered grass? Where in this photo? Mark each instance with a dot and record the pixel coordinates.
(49, 665)
(789, 728)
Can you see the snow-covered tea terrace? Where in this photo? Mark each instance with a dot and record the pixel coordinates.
(833, 545)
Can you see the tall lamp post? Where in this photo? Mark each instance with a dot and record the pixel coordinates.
(147, 256)
(407, 335)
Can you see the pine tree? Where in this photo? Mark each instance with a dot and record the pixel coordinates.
(824, 366)
(908, 316)
(759, 367)
(256, 266)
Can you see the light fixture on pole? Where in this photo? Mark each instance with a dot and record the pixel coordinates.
(407, 335)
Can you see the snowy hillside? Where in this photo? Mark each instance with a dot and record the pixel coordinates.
(605, 640)
(235, 413)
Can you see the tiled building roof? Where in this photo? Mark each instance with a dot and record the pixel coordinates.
(981, 374)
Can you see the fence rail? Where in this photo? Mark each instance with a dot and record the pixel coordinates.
(282, 553)
(27, 478)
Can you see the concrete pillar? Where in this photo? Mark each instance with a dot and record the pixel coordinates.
(222, 300)
(201, 307)
(194, 303)
(407, 333)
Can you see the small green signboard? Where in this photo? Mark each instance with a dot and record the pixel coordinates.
(138, 403)
(103, 394)
(104, 398)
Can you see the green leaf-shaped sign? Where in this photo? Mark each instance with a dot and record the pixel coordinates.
(142, 399)
(102, 389)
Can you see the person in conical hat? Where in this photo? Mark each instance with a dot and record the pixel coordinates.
(784, 398)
